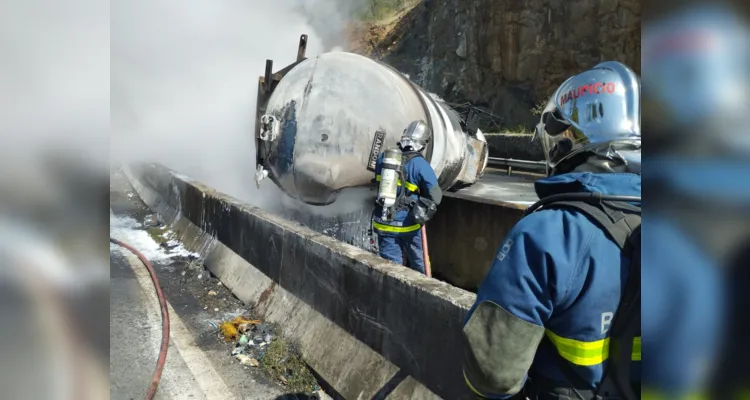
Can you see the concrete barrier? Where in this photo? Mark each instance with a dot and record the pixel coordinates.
(464, 236)
(369, 327)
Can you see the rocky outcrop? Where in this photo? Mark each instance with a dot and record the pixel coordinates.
(509, 55)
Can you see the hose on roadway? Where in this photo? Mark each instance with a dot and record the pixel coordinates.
(164, 319)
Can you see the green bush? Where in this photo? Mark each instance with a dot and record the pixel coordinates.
(282, 361)
(374, 10)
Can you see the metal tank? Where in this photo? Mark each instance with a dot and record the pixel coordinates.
(321, 122)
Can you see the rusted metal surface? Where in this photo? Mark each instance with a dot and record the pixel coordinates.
(475, 162)
(302, 48)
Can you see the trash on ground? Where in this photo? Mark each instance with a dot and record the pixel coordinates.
(229, 330)
(257, 344)
(244, 327)
(212, 293)
(151, 220)
(247, 360)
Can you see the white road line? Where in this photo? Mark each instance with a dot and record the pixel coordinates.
(205, 375)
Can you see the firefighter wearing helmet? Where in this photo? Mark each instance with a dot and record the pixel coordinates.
(408, 196)
(558, 314)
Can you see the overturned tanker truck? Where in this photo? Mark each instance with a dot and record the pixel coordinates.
(321, 123)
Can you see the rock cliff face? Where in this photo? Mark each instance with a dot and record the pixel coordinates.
(507, 55)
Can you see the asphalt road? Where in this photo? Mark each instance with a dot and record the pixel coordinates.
(198, 365)
(135, 335)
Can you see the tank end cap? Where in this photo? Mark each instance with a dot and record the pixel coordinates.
(269, 128)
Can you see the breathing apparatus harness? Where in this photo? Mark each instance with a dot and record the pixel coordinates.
(393, 171)
(621, 220)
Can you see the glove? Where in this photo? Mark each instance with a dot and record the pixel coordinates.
(423, 210)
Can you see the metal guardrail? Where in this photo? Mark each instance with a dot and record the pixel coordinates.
(524, 165)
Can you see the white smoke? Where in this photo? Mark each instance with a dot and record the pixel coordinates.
(185, 76)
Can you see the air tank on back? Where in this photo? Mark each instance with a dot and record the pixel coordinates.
(321, 122)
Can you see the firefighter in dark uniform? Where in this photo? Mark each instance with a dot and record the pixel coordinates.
(417, 196)
(550, 308)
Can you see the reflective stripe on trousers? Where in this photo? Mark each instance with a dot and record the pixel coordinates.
(395, 229)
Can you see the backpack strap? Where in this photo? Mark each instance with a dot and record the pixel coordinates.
(617, 219)
(404, 198)
(626, 326)
(408, 156)
(622, 223)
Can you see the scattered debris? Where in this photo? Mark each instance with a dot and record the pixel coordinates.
(256, 344)
(229, 330)
(237, 350)
(216, 309)
(212, 293)
(247, 360)
(244, 327)
(196, 265)
(151, 221)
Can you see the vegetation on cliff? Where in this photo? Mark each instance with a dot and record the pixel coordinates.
(497, 58)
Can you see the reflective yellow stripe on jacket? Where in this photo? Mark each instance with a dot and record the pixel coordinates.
(588, 353)
(656, 394)
(395, 229)
(651, 394)
(410, 186)
(471, 387)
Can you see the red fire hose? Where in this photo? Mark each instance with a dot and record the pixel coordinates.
(164, 319)
(426, 252)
